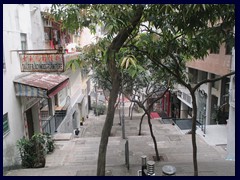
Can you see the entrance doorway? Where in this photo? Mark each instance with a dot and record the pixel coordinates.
(30, 122)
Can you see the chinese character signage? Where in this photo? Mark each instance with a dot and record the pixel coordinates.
(42, 62)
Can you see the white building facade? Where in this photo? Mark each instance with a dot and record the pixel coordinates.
(231, 120)
(36, 102)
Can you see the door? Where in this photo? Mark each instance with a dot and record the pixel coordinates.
(30, 122)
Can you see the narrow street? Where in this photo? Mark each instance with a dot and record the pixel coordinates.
(78, 155)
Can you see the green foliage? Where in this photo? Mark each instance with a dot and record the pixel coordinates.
(26, 152)
(33, 151)
(74, 64)
(168, 34)
(49, 143)
(128, 60)
(99, 109)
(157, 50)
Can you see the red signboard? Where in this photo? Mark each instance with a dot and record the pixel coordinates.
(42, 62)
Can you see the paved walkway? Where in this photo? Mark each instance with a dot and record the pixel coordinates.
(78, 156)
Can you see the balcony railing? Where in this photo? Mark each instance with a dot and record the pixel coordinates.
(184, 96)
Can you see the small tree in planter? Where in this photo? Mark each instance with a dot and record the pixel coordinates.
(34, 150)
(25, 147)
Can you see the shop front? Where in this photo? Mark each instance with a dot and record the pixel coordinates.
(38, 92)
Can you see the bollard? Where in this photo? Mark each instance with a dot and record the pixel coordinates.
(168, 170)
(150, 168)
(144, 164)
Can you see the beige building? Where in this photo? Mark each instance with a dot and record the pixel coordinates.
(215, 102)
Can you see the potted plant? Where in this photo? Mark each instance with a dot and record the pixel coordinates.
(49, 143)
(25, 148)
(33, 151)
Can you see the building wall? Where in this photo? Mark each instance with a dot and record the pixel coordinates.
(231, 120)
(37, 35)
(26, 18)
(214, 63)
(15, 17)
(67, 124)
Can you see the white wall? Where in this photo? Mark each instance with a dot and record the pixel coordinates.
(16, 20)
(37, 29)
(231, 120)
(12, 27)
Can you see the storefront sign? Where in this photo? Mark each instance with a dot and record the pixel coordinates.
(42, 62)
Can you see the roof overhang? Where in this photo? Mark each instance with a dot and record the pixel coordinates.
(40, 85)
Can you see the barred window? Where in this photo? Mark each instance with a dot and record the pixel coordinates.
(5, 124)
(23, 41)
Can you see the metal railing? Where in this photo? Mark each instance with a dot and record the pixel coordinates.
(51, 124)
(180, 122)
(202, 121)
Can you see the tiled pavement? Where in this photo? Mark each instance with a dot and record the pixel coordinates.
(78, 156)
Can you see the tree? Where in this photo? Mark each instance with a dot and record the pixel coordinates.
(169, 36)
(180, 33)
(152, 91)
(141, 84)
(120, 22)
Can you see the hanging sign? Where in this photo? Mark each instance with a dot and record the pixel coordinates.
(42, 62)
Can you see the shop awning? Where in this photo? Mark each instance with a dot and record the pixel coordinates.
(41, 85)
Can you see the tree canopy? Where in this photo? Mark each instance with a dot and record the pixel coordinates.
(163, 36)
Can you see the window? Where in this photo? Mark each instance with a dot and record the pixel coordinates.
(202, 75)
(5, 124)
(4, 65)
(23, 41)
(192, 75)
(216, 83)
(47, 23)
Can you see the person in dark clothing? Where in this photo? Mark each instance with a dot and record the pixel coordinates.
(76, 132)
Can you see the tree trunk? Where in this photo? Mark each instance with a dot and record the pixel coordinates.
(119, 114)
(132, 111)
(129, 109)
(107, 128)
(114, 47)
(140, 124)
(194, 120)
(153, 137)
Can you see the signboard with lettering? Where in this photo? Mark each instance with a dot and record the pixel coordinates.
(42, 62)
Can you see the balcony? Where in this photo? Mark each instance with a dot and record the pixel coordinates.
(184, 96)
